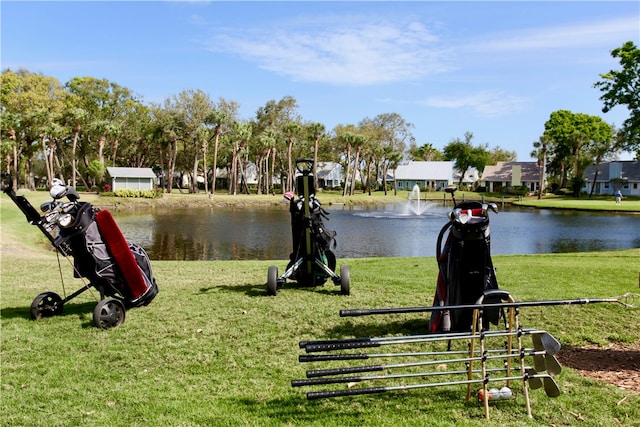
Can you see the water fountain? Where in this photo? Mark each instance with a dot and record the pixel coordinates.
(414, 204)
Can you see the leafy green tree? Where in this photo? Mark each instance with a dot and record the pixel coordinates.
(220, 120)
(571, 137)
(106, 105)
(500, 155)
(282, 118)
(540, 153)
(622, 87)
(426, 152)
(31, 103)
(465, 155)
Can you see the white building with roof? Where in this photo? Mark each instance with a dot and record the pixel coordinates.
(431, 175)
(131, 178)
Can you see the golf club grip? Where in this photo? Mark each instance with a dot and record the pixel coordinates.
(328, 357)
(340, 346)
(320, 381)
(303, 344)
(355, 312)
(338, 371)
(348, 392)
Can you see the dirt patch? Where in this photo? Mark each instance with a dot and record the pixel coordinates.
(615, 364)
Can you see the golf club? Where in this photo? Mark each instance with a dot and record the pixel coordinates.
(628, 300)
(338, 380)
(312, 373)
(551, 388)
(348, 344)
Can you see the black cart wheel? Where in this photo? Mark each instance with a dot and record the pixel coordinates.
(47, 304)
(109, 313)
(345, 280)
(272, 280)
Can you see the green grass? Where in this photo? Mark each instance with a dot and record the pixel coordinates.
(213, 349)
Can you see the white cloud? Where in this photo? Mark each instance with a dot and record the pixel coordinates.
(360, 54)
(592, 34)
(484, 103)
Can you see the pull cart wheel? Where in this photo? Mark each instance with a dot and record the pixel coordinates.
(272, 280)
(109, 313)
(47, 304)
(345, 280)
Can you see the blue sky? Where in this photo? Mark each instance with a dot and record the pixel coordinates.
(496, 69)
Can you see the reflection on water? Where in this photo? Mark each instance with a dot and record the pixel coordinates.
(265, 232)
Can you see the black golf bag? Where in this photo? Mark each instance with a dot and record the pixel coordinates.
(311, 263)
(121, 272)
(97, 247)
(310, 218)
(466, 270)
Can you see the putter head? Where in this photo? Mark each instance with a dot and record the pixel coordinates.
(493, 207)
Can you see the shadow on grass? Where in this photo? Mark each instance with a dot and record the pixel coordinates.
(406, 327)
(253, 290)
(344, 410)
(68, 310)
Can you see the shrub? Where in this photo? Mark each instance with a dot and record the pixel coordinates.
(144, 194)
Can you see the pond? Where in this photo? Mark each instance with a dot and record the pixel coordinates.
(264, 233)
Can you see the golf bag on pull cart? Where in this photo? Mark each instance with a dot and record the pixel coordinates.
(120, 271)
(465, 267)
(312, 262)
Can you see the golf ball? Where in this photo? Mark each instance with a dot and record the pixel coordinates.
(505, 393)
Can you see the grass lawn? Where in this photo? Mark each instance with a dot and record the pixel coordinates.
(214, 350)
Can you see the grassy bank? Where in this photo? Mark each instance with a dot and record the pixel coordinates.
(212, 349)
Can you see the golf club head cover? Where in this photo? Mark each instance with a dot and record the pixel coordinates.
(119, 250)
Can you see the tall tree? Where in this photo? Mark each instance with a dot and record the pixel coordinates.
(106, 105)
(465, 155)
(31, 103)
(622, 87)
(426, 152)
(540, 153)
(571, 137)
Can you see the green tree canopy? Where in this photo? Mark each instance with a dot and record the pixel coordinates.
(622, 87)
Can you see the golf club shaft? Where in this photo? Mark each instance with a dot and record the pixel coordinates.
(337, 380)
(372, 368)
(361, 343)
(362, 356)
(445, 335)
(628, 300)
(373, 390)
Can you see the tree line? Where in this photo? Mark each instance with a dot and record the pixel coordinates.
(77, 129)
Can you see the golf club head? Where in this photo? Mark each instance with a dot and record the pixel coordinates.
(550, 344)
(552, 365)
(534, 381)
(546, 342)
(58, 191)
(550, 387)
(47, 206)
(539, 362)
(72, 194)
(68, 207)
(51, 216)
(493, 207)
